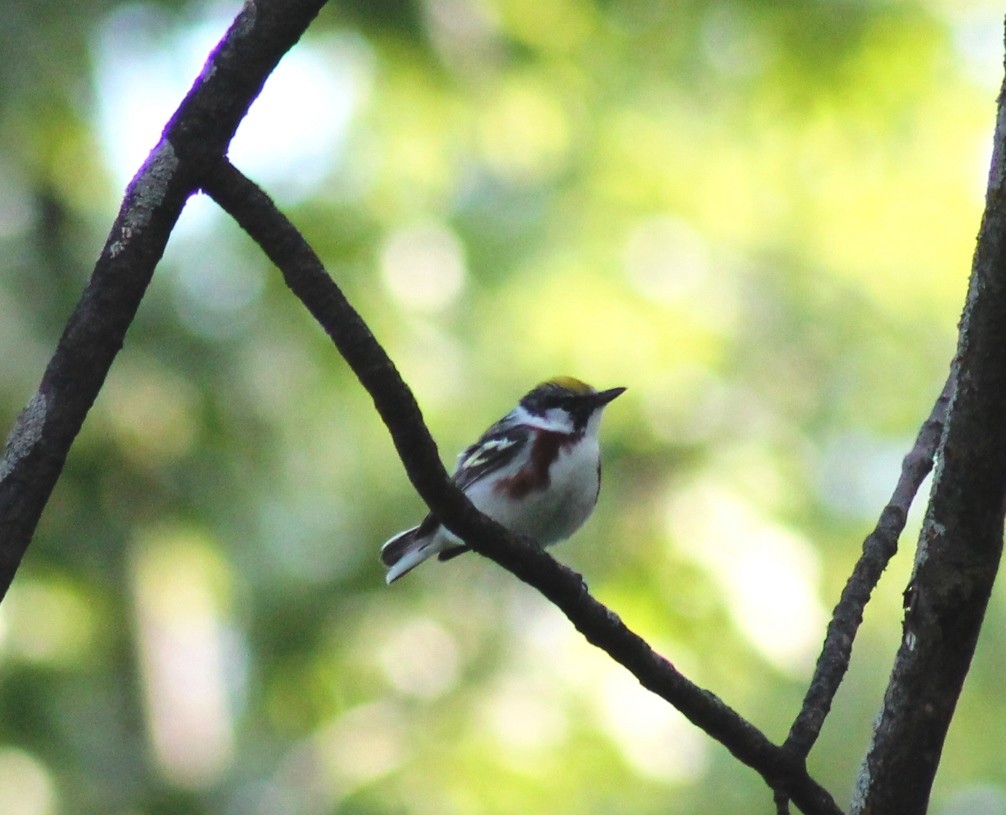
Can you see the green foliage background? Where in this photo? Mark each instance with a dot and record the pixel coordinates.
(758, 216)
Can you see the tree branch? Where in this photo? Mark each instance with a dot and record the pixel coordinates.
(878, 549)
(306, 277)
(961, 540)
(197, 134)
(960, 544)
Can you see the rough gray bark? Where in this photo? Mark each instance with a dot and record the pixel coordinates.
(198, 134)
(961, 539)
(958, 552)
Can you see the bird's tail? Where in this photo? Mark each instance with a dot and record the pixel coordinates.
(405, 551)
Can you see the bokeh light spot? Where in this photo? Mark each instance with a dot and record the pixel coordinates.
(423, 266)
(293, 135)
(180, 587)
(421, 659)
(654, 738)
(46, 621)
(768, 574)
(26, 786)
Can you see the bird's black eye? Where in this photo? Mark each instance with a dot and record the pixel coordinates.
(575, 406)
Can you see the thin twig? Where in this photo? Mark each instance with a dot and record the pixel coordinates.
(307, 278)
(878, 549)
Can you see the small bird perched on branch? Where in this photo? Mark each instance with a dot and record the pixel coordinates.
(537, 471)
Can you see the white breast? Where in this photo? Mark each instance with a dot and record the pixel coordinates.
(553, 514)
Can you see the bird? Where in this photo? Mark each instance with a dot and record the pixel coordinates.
(537, 471)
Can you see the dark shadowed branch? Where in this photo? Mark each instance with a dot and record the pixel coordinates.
(960, 544)
(198, 133)
(304, 274)
(878, 549)
(961, 539)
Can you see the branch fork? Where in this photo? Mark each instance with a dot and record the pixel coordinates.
(192, 155)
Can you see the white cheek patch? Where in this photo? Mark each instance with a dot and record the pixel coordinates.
(555, 420)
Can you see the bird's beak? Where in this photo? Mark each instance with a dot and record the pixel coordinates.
(602, 398)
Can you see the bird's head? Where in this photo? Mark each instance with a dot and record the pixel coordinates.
(566, 404)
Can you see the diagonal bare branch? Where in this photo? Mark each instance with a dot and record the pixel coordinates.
(878, 549)
(197, 134)
(307, 278)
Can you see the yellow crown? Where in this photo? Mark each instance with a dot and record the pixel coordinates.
(568, 383)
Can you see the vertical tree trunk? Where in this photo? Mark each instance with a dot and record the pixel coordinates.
(961, 540)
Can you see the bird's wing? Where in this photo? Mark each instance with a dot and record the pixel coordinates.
(498, 446)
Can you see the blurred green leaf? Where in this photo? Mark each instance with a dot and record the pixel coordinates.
(757, 216)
